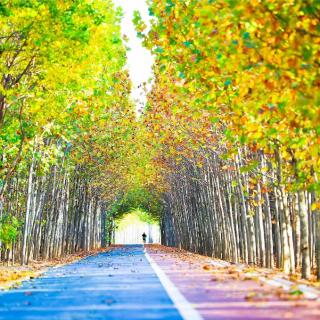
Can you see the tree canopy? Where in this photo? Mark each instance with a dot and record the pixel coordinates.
(225, 153)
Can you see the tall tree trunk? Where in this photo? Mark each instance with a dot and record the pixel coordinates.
(304, 224)
(27, 215)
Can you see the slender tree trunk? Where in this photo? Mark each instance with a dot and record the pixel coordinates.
(303, 213)
(27, 215)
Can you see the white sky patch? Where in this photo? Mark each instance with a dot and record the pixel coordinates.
(140, 59)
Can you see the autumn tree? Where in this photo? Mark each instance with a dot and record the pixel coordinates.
(234, 116)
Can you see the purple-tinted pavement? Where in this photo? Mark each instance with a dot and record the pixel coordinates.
(223, 296)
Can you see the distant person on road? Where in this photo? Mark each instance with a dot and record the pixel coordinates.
(144, 237)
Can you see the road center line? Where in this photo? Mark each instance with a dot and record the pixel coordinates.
(187, 311)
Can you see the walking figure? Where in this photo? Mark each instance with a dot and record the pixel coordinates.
(144, 237)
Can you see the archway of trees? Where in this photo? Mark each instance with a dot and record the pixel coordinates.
(225, 154)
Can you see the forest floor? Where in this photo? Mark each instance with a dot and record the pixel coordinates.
(220, 290)
(13, 275)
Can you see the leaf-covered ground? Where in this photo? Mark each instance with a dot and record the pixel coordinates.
(220, 290)
(12, 276)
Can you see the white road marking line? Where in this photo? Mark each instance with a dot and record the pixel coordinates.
(187, 311)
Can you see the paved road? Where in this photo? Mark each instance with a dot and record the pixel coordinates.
(119, 284)
(222, 294)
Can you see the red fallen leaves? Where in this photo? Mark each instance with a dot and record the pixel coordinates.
(109, 302)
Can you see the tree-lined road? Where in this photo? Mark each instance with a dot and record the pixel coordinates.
(119, 284)
(129, 282)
